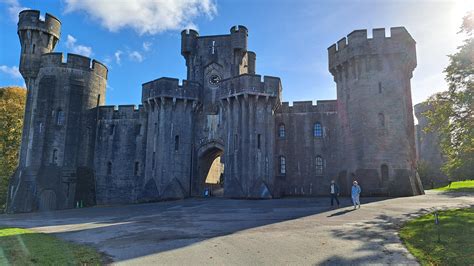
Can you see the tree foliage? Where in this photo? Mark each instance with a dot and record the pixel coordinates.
(12, 106)
(452, 115)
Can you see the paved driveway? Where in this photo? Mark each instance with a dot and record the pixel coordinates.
(240, 232)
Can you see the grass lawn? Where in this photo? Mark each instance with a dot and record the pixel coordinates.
(457, 238)
(460, 186)
(25, 247)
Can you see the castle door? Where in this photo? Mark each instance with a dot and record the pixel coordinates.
(47, 200)
(209, 178)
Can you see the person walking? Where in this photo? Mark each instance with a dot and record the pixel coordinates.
(355, 193)
(334, 191)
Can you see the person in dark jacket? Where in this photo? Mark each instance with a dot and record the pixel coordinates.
(334, 191)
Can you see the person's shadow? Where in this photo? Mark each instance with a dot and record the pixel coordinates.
(340, 212)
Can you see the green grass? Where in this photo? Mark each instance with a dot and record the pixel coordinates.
(25, 247)
(459, 186)
(456, 229)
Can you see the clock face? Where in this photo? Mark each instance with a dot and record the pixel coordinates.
(214, 79)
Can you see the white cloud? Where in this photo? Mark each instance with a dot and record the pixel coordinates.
(135, 56)
(77, 48)
(12, 72)
(13, 7)
(144, 16)
(146, 46)
(117, 55)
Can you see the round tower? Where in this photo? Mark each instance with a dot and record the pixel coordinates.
(188, 47)
(375, 111)
(37, 37)
(239, 35)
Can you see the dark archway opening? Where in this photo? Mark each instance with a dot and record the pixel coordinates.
(209, 179)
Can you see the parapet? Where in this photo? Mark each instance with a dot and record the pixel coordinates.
(422, 108)
(250, 84)
(358, 44)
(325, 106)
(120, 111)
(239, 35)
(30, 20)
(170, 88)
(74, 61)
(188, 41)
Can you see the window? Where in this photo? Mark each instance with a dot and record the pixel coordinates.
(111, 130)
(60, 117)
(176, 143)
(33, 49)
(282, 165)
(380, 87)
(381, 120)
(40, 127)
(54, 158)
(236, 142)
(318, 130)
(153, 161)
(384, 172)
(281, 131)
(109, 168)
(136, 170)
(138, 129)
(259, 143)
(319, 165)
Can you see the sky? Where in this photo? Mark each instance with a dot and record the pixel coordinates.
(140, 40)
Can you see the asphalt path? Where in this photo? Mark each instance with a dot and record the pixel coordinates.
(290, 231)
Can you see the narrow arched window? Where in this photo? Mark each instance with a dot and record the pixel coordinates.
(54, 158)
(381, 120)
(176, 143)
(136, 170)
(282, 165)
(109, 168)
(281, 131)
(319, 165)
(33, 49)
(60, 117)
(259, 141)
(236, 142)
(111, 130)
(384, 172)
(318, 130)
(138, 129)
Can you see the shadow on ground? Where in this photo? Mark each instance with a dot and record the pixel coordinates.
(163, 226)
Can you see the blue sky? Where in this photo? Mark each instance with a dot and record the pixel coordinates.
(140, 40)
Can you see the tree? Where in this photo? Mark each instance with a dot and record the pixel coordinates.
(452, 115)
(12, 108)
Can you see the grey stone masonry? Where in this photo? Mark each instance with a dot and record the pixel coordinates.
(77, 151)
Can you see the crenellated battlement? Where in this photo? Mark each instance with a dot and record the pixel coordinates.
(250, 84)
(322, 106)
(74, 61)
(120, 111)
(170, 88)
(30, 20)
(357, 44)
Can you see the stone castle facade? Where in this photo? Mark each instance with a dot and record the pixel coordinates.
(74, 148)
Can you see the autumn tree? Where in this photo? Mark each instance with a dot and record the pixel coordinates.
(12, 108)
(452, 115)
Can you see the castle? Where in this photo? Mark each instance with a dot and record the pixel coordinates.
(74, 149)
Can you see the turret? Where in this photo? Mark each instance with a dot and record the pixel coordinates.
(239, 36)
(188, 41)
(375, 110)
(36, 37)
(251, 57)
